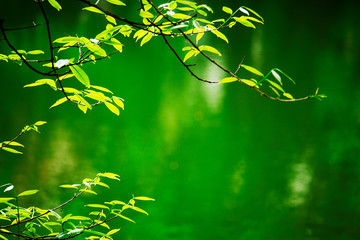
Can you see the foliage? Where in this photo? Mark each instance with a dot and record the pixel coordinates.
(36, 223)
(174, 19)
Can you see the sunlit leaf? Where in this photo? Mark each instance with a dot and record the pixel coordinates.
(142, 198)
(244, 11)
(249, 82)
(55, 4)
(126, 218)
(146, 38)
(113, 231)
(111, 19)
(210, 49)
(67, 39)
(97, 206)
(82, 108)
(9, 188)
(68, 186)
(101, 89)
(118, 102)
(252, 69)
(3, 237)
(2, 200)
(228, 80)
(11, 150)
(190, 54)
(39, 123)
(93, 9)
(244, 21)
(276, 75)
(28, 192)
(181, 16)
(80, 218)
(255, 13)
(227, 10)
(58, 102)
(288, 95)
(109, 175)
(116, 2)
(62, 62)
(80, 75)
(274, 84)
(146, 14)
(13, 143)
(34, 52)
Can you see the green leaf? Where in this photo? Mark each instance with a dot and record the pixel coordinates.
(93, 9)
(275, 85)
(80, 75)
(126, 218)
(11, 150)
(113, 231)
(287, 76)
(210, 49)
(101, 89)
(249, 82)
(55, 4)
(97, 206)
(34, 52)
(109, 175)
(28, 192)
(220, 35)
(255, 13)
(244, 21)
(116, 2)
(228, 80)
(144, 198)
(58, 102)
(80, 218)
(39, 123)
(3, 200)
(13, 143)
(227, 10)
(68, 186)
(67, 39)
(146, 38)
(112, 108)
(146, 14)
(180, 16)
(252, 69)
(118, 102)
(276, 75)
(111, 19)
(2, 237)
(190, 54)
(288, 95)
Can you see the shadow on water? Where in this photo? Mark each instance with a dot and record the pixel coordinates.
(222, 162)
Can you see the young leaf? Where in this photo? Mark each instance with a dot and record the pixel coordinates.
(144, 198)
(249, 82)
(82, 108)
(97, 206)
(146, 38)
(93, 9)
(109, 175)
(244, 21)
(210, 49)
(146, 14)
(244, 11)
(288, 95)
(2, 200)
(9, 188)
(227, 10)
(39, 123)
(55, 4)
(11, 150)
(112, 108)
(126, 218)
(118, 102)
(68, 186)
(228, 80)
(62, 62)
(80, 75)
(13, 143)
(252, 69)
(28, 192)
(58, 102)
(116, 2)
(276, 75)
(113, 231)
(34, 52)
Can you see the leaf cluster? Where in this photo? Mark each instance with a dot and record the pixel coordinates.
(37, 223)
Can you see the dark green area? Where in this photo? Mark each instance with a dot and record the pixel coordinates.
(222, 161)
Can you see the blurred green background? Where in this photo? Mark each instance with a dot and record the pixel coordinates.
(222, 162)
